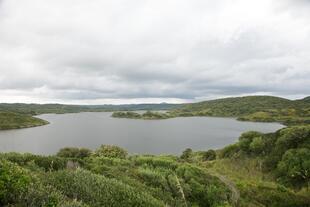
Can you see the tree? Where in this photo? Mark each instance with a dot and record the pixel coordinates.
(111, 151)
(295, 166)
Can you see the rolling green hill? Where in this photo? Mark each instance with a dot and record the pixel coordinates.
(11, 120)
(251, 108)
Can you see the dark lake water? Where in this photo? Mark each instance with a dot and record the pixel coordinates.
(90, 130)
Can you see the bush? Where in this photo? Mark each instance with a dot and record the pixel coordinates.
(71, 152)
(293, 137)
(46, 162)
(13, 182)
(156, 162)
(229, 151)
(40, 195)
(111, 151)
(295, 167)
(209, 155)
(187, 154)
(258, 146)
(98, 191)
(246, 139)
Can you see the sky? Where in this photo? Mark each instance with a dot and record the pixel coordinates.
(152, 51)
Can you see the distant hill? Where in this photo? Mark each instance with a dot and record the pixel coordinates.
(35, 109)
(247, 108)
(238, 106)
(251, 108)
(307, 99)
(10, 120)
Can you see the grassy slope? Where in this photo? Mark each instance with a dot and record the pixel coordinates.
(10, 120)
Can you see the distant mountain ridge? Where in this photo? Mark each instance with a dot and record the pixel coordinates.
(35, 109)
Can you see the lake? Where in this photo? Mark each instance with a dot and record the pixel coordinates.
(90, 130)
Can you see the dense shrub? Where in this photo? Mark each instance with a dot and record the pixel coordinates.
(13, 182)
(72, 152)
(201, 188)
(98, 191)
(40, 195)
(209, 155)
(295, 167)
(187, 154)
(273, 196)
(246, 139)
(111, 151)
(229, 151)
(156, 162)
(44, 162)
(293, 137)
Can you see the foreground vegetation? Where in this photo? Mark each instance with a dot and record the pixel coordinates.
(259, 170)
(10, 120)
(106, 177)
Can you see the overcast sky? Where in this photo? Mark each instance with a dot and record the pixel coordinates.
(120, 51)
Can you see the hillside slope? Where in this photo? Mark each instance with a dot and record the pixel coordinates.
(251, 108)
(11, 120)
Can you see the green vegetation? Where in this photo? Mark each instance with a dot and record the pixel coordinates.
(107, 177)
(15, 116)
(147, 115)
(35, 109)
(10, 120)
(251, 108)
(259, 170)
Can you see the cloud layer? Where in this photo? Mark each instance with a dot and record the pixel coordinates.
(76, 51)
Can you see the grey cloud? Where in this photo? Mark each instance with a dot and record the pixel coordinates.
(77, 50)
